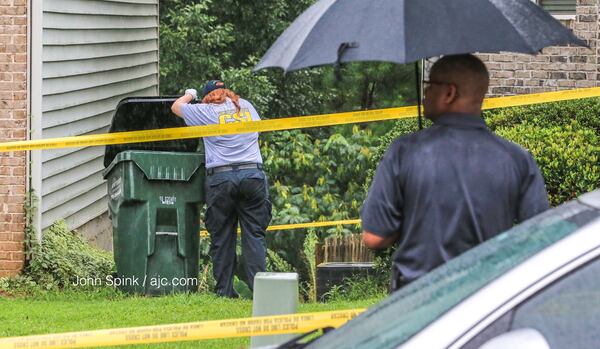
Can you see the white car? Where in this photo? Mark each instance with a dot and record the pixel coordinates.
(534, 286)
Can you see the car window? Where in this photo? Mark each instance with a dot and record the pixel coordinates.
(566, 313)
(413, 307)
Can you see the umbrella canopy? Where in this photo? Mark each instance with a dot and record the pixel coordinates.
(404, 31)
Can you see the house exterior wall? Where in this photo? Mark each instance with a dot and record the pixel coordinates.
(13, 127)
(556, 68)
(94, 53)
(84, 56)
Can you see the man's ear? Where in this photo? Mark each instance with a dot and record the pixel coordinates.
(451, 93)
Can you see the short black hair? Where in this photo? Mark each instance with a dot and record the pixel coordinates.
(462, 62)
(464, 66)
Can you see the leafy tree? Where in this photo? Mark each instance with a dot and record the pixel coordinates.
(202, 40)
(372, 85)
(256, 24)
(193, 45)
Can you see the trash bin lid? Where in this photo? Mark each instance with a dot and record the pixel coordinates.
(147, 113)
(158, 165)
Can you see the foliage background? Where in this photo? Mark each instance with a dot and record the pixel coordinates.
(323, 174)
(314, 174)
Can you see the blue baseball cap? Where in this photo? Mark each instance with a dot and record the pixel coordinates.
(212, 85)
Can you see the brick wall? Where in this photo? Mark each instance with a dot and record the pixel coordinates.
(13, 126)
(556, 67)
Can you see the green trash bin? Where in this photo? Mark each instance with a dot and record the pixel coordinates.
(155, 191)
(154, 204)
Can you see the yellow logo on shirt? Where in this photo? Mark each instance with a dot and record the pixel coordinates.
(242, 116)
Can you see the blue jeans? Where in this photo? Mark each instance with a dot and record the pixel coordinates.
(232, 197)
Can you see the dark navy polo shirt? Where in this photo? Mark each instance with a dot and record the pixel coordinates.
(448, 188)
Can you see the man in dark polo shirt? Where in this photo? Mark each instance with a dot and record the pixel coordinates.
(445, 189)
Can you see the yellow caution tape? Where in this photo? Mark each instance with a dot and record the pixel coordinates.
(280, 124)
(204, 233)
(538, 98)
(211, 130)
(257, 326)
(313, 224)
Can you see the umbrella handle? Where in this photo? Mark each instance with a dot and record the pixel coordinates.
(419, 97)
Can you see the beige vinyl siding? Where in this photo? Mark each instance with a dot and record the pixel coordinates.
(95, 53)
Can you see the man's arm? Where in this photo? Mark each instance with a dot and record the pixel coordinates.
(190, 95)
(377, 242)
(382, 211)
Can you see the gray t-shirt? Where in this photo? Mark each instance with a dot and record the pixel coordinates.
(226, 149)
(448, 188)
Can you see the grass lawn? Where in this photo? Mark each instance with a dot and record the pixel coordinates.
(67, 311)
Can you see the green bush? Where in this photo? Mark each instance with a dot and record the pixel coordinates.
(568, 157)
(276, 264)
(63, 256)
(563, 139)
(585, 111)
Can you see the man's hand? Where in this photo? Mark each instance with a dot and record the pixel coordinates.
(190, 95)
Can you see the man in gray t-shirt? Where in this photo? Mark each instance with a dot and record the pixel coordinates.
(445, 189)
(236, 186)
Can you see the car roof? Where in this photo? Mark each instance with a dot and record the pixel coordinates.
(410, 309)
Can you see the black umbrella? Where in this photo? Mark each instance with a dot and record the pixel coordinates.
(404, 31)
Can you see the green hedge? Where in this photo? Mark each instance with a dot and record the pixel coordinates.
(585, 111)
(567, 156)
(563, 138)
